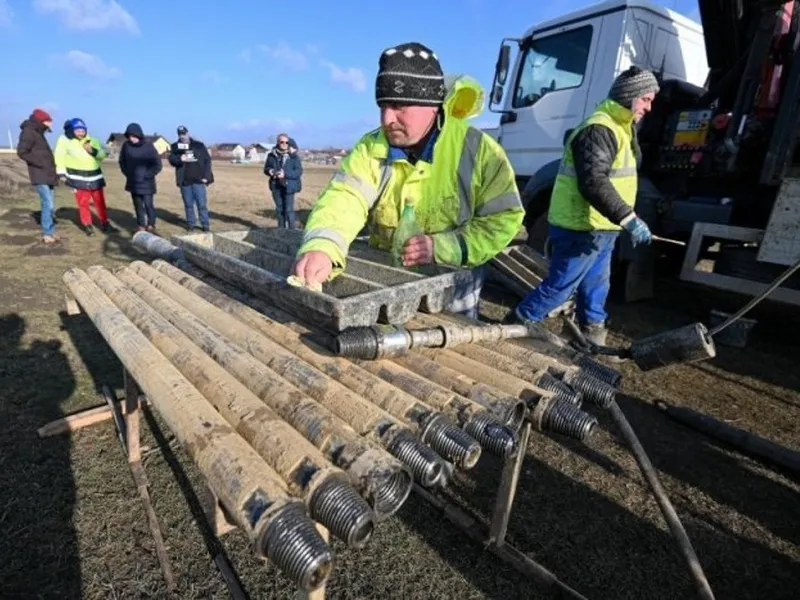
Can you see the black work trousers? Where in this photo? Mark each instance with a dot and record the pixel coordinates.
(145, 210)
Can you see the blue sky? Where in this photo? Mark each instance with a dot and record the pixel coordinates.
(238, 71)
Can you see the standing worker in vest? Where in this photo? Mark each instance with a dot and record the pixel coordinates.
(466, 207)
(78, 161)
(593, 199)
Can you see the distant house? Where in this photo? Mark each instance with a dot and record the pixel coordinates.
(115, 141)
(228, 151)
(257, 152)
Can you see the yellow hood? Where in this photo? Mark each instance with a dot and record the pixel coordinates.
(464, 98)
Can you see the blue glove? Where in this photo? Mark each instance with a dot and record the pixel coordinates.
(640, 232)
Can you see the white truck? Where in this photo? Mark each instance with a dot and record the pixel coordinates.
(717, 155)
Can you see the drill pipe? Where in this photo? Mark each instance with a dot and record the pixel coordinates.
(506, 408)
(213, 329)
(251, 491)
(433, 427)
(557, 374)
(567, 418)
(389, 341)
(293, 336)
(326, 490)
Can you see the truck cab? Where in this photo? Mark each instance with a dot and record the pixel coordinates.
(563, 68)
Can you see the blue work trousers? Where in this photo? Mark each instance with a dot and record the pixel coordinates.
(580, 263)
(194, 195)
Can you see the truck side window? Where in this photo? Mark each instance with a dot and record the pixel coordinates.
(552, 63)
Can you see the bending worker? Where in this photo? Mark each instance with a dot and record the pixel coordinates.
(457, 178)
(593, 199)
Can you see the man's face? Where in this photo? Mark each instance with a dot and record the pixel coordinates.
(283, 143)
(642, 105)
(80, 133)
(48, 124)
(406, 125)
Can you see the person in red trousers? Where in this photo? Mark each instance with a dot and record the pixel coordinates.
(78, 162)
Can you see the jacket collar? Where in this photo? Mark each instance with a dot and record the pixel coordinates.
(397, 153)
(622, 115)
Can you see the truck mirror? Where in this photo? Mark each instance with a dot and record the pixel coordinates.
(501, 68)
(497, 94)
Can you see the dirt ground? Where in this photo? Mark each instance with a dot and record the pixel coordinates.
(73, 525)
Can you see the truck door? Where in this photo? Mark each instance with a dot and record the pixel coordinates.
(548, 93)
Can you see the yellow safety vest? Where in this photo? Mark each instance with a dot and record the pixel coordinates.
(465, 198)
(82, 170)
(568, 208)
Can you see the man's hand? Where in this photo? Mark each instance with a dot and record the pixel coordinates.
(638, 229)
(87, 145)
(313, 267)
(205, 181)
(184, 157)
(418, 250)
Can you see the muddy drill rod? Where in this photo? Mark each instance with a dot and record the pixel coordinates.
(326, 490)
(222, 337)
(433, 427)
(362, 379)
(251, 491)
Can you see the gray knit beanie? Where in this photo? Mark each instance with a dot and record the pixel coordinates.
(631, 84)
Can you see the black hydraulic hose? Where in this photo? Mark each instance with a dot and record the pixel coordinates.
(673, 522)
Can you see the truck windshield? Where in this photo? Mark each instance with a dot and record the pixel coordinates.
(552, 63)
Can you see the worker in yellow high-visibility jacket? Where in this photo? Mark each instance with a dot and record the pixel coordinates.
(593, 200)
(457, 177)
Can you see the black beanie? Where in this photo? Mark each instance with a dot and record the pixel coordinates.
(631, 84)
(409, 74)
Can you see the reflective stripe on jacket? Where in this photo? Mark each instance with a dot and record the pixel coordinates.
(83, 171)
(568, 208)
(465, 197)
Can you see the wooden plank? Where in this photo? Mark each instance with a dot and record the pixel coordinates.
(507, 490)
(72, 305)
(132, 415)
(78, 420)
(140, 478)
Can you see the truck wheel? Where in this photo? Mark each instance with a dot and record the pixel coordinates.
(536, 221)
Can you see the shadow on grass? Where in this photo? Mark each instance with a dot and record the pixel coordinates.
(39, 555)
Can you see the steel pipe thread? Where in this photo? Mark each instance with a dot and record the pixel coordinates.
(497, 438)
(340, 508)
(549, 383)
(293, 543)
(451, 442)
(567, 419)
(598, 392)
(361, 342)
(390, 493)
(424, 463)
(599, 371)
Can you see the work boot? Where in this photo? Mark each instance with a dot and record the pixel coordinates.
(88, 230)
(151, 228)
(596, 333)
(107, 227)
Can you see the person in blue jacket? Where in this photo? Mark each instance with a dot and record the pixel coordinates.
(285, 170)
(140, 163)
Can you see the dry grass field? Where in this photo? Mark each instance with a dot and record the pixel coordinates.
(73, 526)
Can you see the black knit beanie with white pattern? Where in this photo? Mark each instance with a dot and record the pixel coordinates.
(409, 73)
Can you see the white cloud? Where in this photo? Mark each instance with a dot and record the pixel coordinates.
(88, 64)
(6, 15)
(213, 77)
(90, 15)
(286, 56)
(350, 76)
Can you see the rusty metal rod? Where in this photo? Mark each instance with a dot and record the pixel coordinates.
(251, 491)
(325, 489)
(433, 426)
(212, 329)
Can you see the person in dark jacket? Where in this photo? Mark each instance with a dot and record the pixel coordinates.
(285, 170)
(34, 149)
(140, 163)
(193, 175)
(593, 200)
